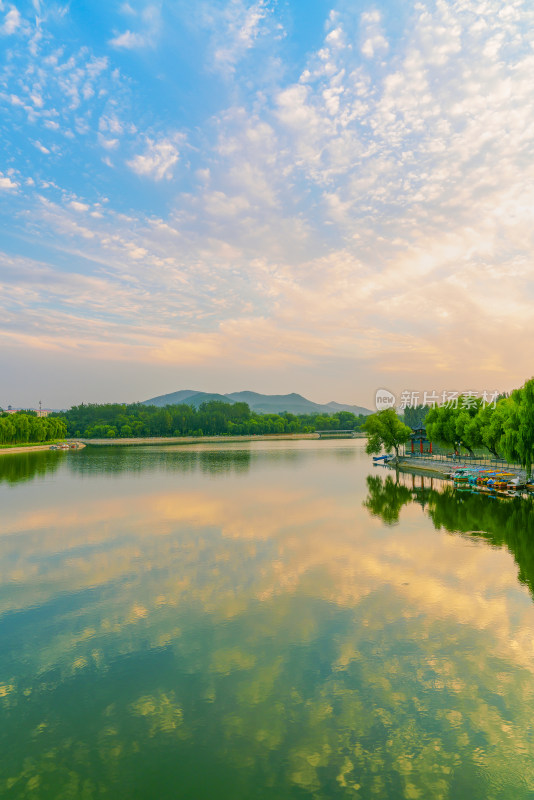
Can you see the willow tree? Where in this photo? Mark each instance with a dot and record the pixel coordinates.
(385, 430)
(456, 425)
(491, 423)
(517, 441)
(467, 423)
(440, 426)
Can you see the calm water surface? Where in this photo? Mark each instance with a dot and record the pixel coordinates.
(269, 620)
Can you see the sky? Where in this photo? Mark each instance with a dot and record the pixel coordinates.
(279, 195)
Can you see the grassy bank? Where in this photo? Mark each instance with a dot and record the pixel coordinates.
(48, 443)
(155, 440)
(26, 448)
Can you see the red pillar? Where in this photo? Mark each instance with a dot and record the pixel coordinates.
(412, 446)
(430, 451)
(421, 446)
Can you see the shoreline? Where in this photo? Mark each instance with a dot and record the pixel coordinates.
(176, 440)
(426, 467)
(180, 440)
(24, 448)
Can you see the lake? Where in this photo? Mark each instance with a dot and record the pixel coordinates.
(260, 620)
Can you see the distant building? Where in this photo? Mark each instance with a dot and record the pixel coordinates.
(41, 412)
(418, 442)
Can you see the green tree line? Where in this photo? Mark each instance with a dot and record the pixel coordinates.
(112, 420)
(506, 429)
(26, 428)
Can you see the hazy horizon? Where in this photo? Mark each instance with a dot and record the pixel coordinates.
(144, 399)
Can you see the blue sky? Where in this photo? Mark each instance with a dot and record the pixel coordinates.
(280, 195)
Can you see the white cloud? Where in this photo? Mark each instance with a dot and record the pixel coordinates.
(373, 45)
(237, 28)
(12, 21)
(110, 123)
(374, 40)
(149, 23)
(219, 204)
(371, 190)
(157, 161)
(129, 40)
(58, 89)
(7, 183)
(42, 148)
(108, 144)
(37, 100)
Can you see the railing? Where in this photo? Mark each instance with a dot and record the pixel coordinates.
(488, 461)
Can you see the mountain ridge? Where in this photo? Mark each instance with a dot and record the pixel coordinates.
(293, 403)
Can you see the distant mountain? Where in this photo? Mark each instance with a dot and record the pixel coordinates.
(187, 396)
(261, 403)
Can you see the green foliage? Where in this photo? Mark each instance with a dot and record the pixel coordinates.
(21, 467)
(517, 440)
(386, 498)
(213, 418)
(491, 421)
(415, 416)
(467, 427)
(23, 428)
(461, 425)
(441, 425)
(385, 430)
(506, 523)
(506, 429)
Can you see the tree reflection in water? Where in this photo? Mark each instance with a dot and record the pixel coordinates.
(502, 521)
(18, 467)
(386, 498)
(252, 637)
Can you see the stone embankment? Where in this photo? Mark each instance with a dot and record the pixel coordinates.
(443, 469)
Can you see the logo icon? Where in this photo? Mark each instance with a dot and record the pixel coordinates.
(384, 399)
